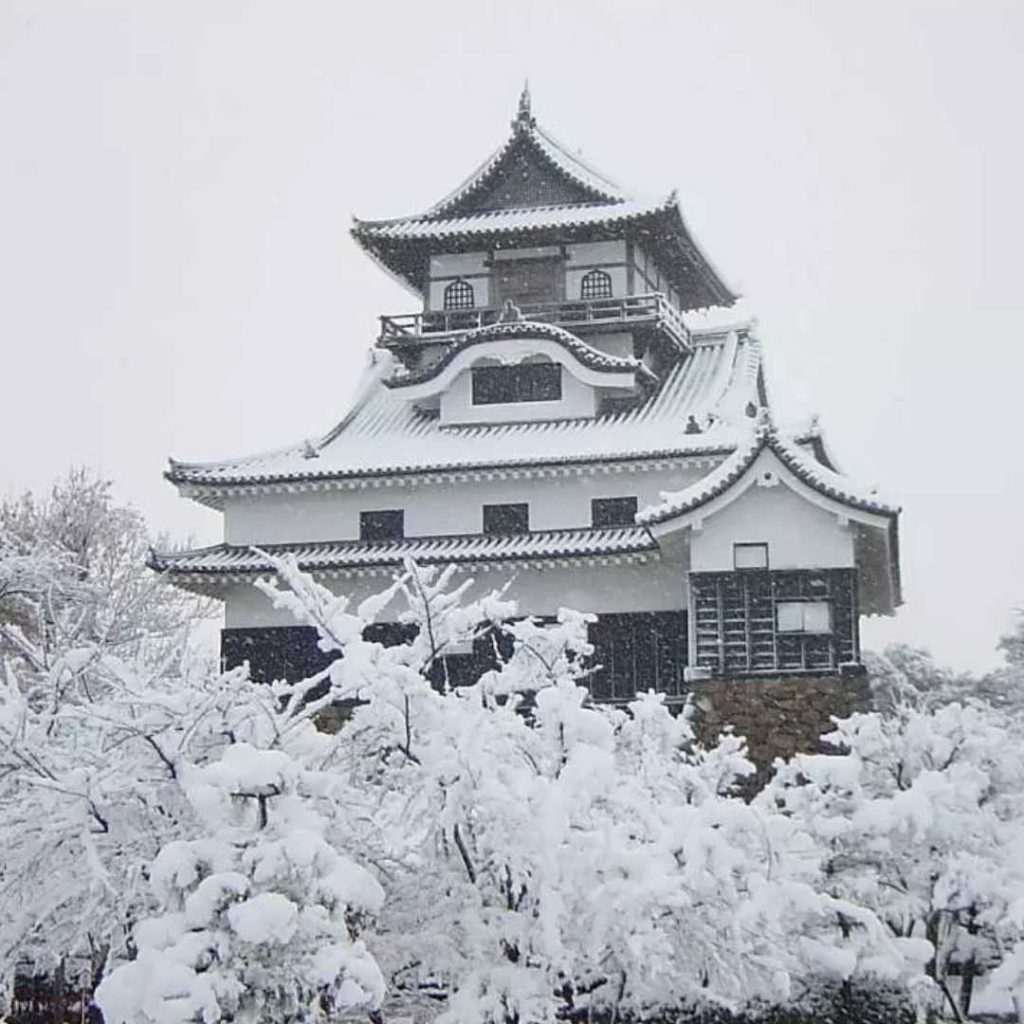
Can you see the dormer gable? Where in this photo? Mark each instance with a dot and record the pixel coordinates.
(518, 370)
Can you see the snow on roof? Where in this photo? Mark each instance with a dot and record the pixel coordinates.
(802, 464)
(582, 203)
(715, 388)
(490, 222)
(230, 560)
(585, 354)
(570, 164)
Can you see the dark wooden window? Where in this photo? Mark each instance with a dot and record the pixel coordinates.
(597, 284)
(459, 295)
(750, 556)
(612, 511)
(387, 524)
(507, 518)
(638, 651)
(746, 622)
(526, 382)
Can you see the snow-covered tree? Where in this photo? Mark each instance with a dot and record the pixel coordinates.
(921, 821)
(256, 915)
(73, 574)
(91, 753)
(544, 856)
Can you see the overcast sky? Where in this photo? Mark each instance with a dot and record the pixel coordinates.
(177, 180)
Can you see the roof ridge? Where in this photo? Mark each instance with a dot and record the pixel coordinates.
(550, 149)
(764, 436)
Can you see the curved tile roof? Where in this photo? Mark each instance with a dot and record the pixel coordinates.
(806, 469)
(585, 354)
(717, 385)
(569, 164)
(509, 221)
(582, 204)
(228, 559)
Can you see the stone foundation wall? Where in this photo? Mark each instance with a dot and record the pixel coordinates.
(779, 715)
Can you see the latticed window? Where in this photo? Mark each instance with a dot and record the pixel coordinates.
(596, 285)
(459, 295)
(524, 382)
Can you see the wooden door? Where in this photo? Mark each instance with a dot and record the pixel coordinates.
(528, 282)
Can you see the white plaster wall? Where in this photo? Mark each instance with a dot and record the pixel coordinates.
(617, 343)
(655, 586)
(470, 265)
(574, 282)
(583, 253)
(578, 400)
(647, 276)
(436, 508)
(587, 256)
(799, 535)
(458, 264)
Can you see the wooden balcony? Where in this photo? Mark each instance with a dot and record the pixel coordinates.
(581, 316)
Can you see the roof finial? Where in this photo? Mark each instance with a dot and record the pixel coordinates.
(524, 118)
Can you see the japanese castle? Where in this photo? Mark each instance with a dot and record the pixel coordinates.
(547, 415)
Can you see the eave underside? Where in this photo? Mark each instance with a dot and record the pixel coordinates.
(698, 284)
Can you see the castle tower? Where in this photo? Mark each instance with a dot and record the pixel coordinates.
(547, 414)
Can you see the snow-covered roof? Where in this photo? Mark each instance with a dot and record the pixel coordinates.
(227, 561)
(716, 388)
(806, 468)
(534, 190)
(510, 221)
(570, 164)
(586, 355)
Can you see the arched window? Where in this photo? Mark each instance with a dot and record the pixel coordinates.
(459, 295)
(596, 285)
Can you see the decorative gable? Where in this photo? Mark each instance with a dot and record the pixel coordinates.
(523, 177)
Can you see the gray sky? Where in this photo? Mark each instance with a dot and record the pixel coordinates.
(177, 179)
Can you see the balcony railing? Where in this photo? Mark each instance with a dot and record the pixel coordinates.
(632, 311)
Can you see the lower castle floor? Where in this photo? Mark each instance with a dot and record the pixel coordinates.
(754, 623)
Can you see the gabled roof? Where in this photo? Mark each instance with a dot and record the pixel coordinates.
(701, 407)
(583, 184)
(808, 470)
(876, 538)
(532, 190)
(232, 560)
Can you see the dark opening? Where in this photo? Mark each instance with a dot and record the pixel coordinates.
(507, 518)
(613, 511)
(638, 651)
(527, 382)
(386, 524)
